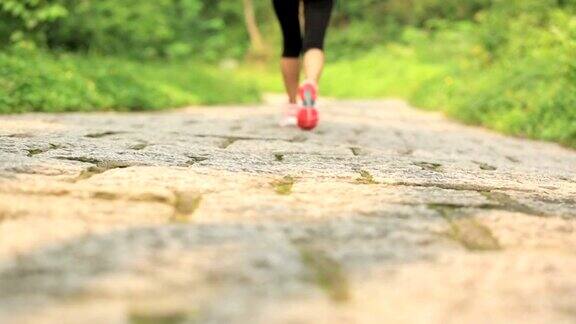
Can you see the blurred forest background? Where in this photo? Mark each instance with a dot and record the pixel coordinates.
(505, 64)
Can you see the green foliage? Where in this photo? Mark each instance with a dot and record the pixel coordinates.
(529, 89)
(21, 21)
(390, 71)
(361, 24)
(41, 82)
(163, 28)
(203, 29)
(143, 29)
(512, 69)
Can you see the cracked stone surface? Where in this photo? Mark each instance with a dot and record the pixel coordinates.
(384, 214)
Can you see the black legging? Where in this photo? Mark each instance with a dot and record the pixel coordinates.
(316, 18)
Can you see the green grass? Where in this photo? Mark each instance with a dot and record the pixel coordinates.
(185, 205)
(531, 97)
(283, 186)
(56, 83)
(365, 178)
(393, 71)
(266, 77)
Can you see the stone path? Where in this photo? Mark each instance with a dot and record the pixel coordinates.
(385, 214)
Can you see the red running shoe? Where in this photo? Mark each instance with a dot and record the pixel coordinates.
(308, 114)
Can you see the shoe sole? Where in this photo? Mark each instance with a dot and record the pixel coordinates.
(308, 95)
(308, 120)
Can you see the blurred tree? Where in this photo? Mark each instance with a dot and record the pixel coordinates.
(257, 46)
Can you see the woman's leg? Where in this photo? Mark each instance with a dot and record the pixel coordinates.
(317, 15)
(287, 12)
(291, 75)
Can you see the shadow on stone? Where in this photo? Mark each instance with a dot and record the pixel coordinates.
(326, 273)
(466, 230)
